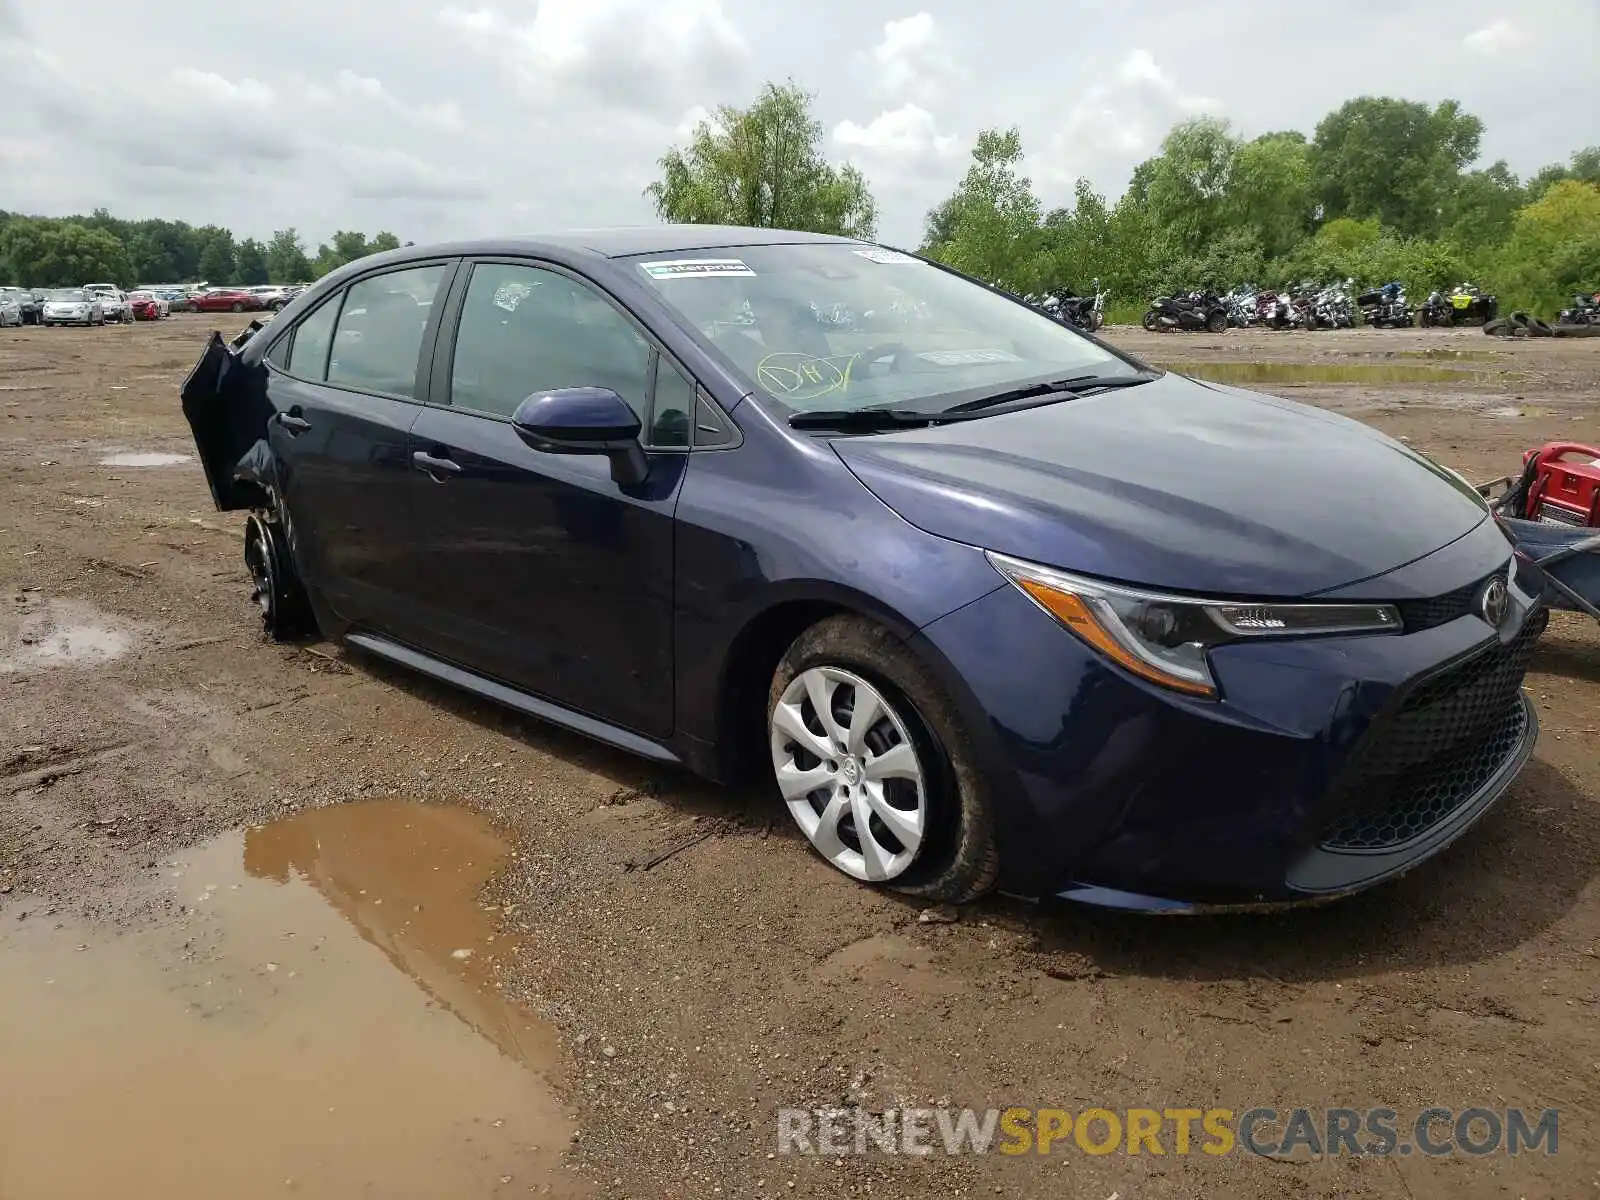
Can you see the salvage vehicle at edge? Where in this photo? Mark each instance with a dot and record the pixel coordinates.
(72, 306)
(991, 603)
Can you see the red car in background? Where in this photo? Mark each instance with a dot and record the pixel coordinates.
(225, 300)
(145, 306)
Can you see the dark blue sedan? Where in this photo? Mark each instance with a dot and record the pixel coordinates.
(987, 601)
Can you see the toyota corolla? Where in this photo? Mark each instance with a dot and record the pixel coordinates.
(985, 601)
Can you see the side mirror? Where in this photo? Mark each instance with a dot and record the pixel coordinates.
(584, 420)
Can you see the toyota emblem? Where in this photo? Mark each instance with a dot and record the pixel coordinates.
(1494, 601)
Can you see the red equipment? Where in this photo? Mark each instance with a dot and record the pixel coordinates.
(1563, 492)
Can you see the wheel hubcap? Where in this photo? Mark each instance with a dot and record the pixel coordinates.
(849, 773)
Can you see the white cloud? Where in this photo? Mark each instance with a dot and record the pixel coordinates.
(208, 87)
(690, 121)
(445, 116)
(1495, 37)
(627, 54)
(907, 135)
(441, 122)
(1113, 124)
(914, 60)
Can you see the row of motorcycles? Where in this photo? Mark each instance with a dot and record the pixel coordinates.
(1086, 312)
(1314, 306)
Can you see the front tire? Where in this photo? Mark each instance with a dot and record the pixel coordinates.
(1216, 322)
(870, 759)
(237, 307)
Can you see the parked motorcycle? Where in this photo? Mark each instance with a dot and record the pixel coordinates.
(1241, 302)
(1465, 305)
(1274, 310)
(1194, 310)
(1085, 312)
(1386, 306)
(1330, 308)
(1585, 310)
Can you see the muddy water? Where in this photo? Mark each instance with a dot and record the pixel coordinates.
(316, 1018)
(1250, 373)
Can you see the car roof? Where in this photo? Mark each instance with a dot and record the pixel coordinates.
(627, 241)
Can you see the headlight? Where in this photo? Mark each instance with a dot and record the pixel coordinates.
(1164, 638)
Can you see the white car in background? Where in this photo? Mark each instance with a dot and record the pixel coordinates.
(115, 302)
(73, 306)
(272, 296)
(10, 307)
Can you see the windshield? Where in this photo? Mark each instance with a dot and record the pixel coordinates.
(841, 326)
(68, 294)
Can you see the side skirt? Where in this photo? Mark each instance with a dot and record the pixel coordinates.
(490, 689)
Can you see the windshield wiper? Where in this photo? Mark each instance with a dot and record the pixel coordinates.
(864, 419)
(1073, 387)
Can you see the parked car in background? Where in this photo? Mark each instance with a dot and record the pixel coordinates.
(177, 299)
(32, 306)
(10, 308)
(147, 306)
(113, 300)
(226, 300)
(73, 306)
(29, 302)
(271, 295)
(986, 602)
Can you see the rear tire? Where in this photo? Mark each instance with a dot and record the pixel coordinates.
(1151, 321)
(1216, 322)
(276, 589)
(237, 307)
(955, 858)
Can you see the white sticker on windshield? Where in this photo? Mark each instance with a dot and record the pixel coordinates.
(885, 256)
(695, 268)
(965, 358)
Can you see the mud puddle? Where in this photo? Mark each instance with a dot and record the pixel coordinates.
(36, 634)
(144, 458)
(316, 1016)
(1313, 373)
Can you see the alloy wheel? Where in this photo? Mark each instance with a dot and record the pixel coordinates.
(850, 773)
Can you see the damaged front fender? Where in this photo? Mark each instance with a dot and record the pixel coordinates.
(225, 402)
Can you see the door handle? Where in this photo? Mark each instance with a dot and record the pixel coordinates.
(295, 424)
(433, 464)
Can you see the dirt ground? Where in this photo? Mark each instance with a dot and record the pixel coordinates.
(693, 994)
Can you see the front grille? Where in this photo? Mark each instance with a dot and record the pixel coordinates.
(1446, 739)
(1417, 615)
(1431, 793)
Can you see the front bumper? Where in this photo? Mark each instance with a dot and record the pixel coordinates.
(70, 318)
(1330, 764)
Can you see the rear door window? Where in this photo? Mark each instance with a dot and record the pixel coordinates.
(379, 334)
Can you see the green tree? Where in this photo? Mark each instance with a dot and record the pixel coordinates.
(1187, 187)
(1396, 160)
(1583, 166)
(44, 253)
(1269, 191)
(286, 257)
(250, 264)
(763, 166)
(216, 262)
(1554, 248)
(994, 218)
(1479, 213)
(384, 241)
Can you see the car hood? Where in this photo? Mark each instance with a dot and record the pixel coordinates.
(1175, 484)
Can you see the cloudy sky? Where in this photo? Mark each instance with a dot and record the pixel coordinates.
(436, 119)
